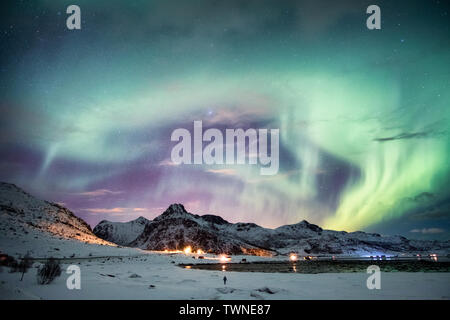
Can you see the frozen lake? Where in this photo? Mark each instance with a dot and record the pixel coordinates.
(326, 266)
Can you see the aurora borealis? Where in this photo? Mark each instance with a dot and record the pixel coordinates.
(86, 115)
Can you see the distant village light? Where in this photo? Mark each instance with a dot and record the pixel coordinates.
(293, 257)
(188, 250)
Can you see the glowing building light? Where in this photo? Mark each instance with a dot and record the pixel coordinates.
(293, 257)
(188, 250)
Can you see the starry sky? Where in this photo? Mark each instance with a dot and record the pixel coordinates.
(86, 115)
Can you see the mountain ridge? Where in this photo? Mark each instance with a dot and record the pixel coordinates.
(22, 212)
(24, 215)
(176, 228)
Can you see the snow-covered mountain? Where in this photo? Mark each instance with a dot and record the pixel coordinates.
(25, 219)
(22, 214)
(176, 228)
(121, 233)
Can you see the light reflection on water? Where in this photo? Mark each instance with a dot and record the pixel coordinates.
(428, 263)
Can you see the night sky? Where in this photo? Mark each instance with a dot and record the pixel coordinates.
(86, 115)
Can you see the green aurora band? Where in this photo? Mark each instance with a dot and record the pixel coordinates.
(370, 99)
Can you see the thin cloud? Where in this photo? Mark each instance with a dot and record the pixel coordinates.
(226, 172)
(403, 136)
(428, 230)
(116, 210)
(106, 210)
(98, 193)
(167, 162)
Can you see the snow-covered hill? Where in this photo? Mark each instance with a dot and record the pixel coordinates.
(42, 228)
(121, 233)
(176, 228)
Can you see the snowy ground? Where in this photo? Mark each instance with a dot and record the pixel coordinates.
(110, 279)
(103, 278)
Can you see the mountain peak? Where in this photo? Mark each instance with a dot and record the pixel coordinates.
(141, 220)
(214, 219)
(175, 208)
(302, 225)
(8, 185)
(310, 226)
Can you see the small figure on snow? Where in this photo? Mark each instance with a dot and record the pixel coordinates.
(225, 280)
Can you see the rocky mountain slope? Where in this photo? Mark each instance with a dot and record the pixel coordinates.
(176, 228)
(22, 214)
